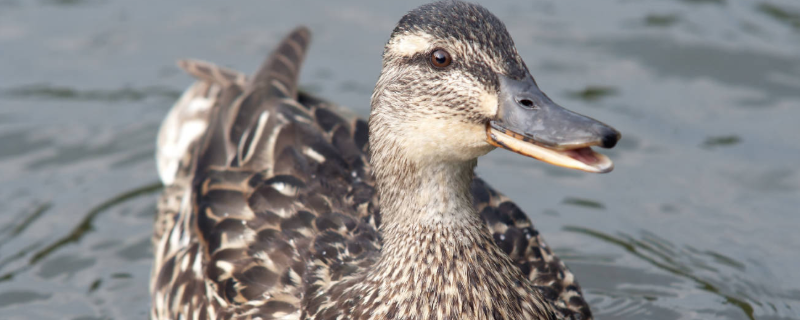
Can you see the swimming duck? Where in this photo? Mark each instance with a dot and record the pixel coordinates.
(281, 205)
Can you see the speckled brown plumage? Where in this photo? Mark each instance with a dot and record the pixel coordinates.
(272, 211)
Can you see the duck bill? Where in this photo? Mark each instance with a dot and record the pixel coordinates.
(531, 124)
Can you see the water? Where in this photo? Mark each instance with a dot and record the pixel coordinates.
(698, 221)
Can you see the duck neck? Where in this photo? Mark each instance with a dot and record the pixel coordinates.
(426, 208)
(419, 196)
(435, 241)
(424, 189)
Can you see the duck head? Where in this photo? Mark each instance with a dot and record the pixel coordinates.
(453, 87)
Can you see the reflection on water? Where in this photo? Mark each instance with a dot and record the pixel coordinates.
(661, 20)
(14, 228)
(17, 297)
(593, 93)
(57, 266)
(86, 225)
(698, 220)
(686, 263)
(721, 141)
(66, 93)
(789, 17)
(584, 203)
(734, 67)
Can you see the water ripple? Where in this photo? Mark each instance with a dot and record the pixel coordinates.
(711, 272)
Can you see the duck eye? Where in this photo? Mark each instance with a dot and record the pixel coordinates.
(440, 58)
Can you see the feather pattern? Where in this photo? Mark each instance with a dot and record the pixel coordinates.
(270, 205)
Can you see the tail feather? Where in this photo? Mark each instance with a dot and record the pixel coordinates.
(241, 114)
(255, 114)
(282, 68)
(207, 71)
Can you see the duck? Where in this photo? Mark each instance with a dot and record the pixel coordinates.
(278, 204)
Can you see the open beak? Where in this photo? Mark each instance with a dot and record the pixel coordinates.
(531, 124)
